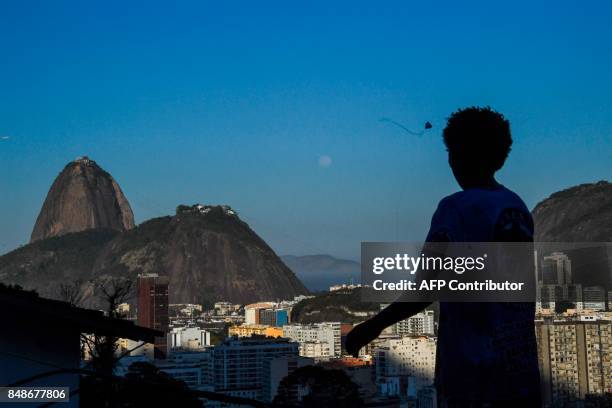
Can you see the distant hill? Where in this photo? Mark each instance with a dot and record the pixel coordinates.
(319, 272)
(86, 230)
(578, 214)
(208, 253)
(344, 306)
(45, 264)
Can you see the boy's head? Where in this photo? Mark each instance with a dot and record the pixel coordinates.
(478, 141)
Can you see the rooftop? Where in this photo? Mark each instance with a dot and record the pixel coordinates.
(86, 320)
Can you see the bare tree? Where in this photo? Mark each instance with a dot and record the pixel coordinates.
(72, 292)
(111, 292)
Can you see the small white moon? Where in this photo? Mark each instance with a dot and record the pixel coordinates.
(325, 161)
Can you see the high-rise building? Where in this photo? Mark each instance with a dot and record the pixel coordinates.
(239, 364)
(575, 358)
(326, 332)
(594, 298)
(551, 296)
(556, 269)
(194, 368)
(188, 338)
(315, 349)
(252, 312)
(273, 317)
(405, 361)
(267, 317)
(152, 304)
(282, 317)
(556, 290)
(420, 323)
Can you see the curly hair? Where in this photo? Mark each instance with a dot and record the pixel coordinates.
(478, 138)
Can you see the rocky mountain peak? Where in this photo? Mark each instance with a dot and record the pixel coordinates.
(582, 213)
(83, 196)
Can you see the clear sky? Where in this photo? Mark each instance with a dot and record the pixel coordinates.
(274, 107)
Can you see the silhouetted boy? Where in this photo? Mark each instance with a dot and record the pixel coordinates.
(486, 352)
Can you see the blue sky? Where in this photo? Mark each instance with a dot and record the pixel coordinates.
(236, 102)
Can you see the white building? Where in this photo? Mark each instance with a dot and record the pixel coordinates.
(238, 364)
(420, 323)
(315, 349)
(186, 309)
(194, 368)
(226, 308)
(190, 338)
(405, 360)
(327, 332)
(344, 286)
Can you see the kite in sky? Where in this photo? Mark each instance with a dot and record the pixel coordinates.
(427, 126)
